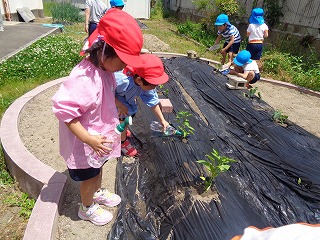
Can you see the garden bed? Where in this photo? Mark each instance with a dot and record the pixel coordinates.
(274, 182)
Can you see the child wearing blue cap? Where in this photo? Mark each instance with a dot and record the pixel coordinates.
(256, 32)
(117, 4)
(232, 36)
(246, 68)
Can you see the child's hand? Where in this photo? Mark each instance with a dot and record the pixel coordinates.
(233, 72)
(214, 47)
(165, 124)
(222, 50)
(96, 142)
(122, 110)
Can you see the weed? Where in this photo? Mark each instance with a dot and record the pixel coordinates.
(184, 124)
(252, 93)
(277, 116)
(198, 32)
(65, 13)
(215, 164)
(5, 177)
(24, 202)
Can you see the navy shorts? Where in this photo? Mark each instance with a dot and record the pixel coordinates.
(233, 48)
(83, 174)
(92, 27)
(255, 79)
(255, 50)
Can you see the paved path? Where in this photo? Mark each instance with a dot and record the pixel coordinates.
(18, 35)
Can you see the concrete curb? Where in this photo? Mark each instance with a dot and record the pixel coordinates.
(34, 177)
(38, 179)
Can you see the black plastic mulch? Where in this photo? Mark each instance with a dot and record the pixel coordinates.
(160, 189)
(141, 25)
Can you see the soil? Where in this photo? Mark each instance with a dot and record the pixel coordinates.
(39, 132)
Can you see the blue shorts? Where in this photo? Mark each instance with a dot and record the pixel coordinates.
(255, 50)
(83, 174)
(255, 79)
(233, 48)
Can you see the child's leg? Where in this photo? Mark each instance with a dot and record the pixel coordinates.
(90, 182)
(88, 188)
(126, 147)
(124, 133)
(223, 59)
(250, 76)
(230, 58)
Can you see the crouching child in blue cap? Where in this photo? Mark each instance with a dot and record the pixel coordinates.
(246, 68)
(256, 32)
(232, 36)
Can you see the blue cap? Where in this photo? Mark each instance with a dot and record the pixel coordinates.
(222, 19)
(242, 58)
(256, 16)
(116, 3)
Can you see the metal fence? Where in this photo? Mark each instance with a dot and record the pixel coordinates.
(296, 12)
(304, 13)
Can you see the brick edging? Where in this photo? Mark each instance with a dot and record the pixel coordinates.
(34, 177)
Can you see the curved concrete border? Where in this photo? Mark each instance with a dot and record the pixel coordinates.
(38, 179)
(34, 177)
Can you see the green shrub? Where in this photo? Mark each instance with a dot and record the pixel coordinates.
(157, 11)
(198, 32)
(65, 13)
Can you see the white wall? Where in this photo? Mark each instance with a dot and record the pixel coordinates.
(136, 8)
(14, 4)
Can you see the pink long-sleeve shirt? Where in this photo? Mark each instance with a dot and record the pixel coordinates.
(89, 95)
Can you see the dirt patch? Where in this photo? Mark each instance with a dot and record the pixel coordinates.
(154, 44)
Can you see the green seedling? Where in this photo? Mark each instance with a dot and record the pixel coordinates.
(252, 93)
(164, 91)
(215, 164)
(299, 181)
(277, 116)
(184, 124)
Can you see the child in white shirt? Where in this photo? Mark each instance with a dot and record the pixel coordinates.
(256, 32)
(246, 68)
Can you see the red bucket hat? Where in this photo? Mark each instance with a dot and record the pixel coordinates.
(122, 32)
(151, 70)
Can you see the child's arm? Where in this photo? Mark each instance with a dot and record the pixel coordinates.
(229, 44)
(243, 75)
(218, 39)
(94, 141)
(157, 111)
(265, 33)
(87, 15)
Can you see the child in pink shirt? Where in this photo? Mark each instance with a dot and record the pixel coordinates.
(85, 107)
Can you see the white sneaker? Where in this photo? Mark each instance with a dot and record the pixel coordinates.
(95, 214)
